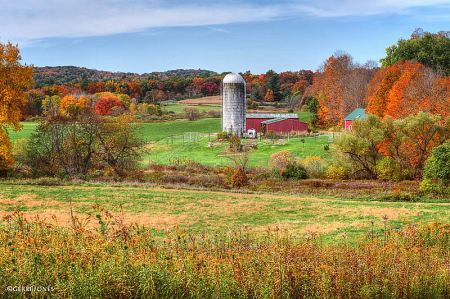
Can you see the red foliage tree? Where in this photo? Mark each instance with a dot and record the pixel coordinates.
(210, 88)
(105, 105)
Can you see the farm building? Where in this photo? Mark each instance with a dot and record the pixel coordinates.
(278, 122)
(358, 113)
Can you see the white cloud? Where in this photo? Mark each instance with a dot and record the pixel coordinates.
(30, 20)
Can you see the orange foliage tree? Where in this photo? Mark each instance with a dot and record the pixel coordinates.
(343, 85)
(14, 79)
(105, 105)
(406, 88)
(269, 96)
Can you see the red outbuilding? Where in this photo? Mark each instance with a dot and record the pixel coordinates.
(278, 122)
(358, 113)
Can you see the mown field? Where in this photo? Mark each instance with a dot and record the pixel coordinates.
(166, 143)
(209, 211)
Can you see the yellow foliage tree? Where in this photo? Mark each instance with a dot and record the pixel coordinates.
(71, 105)
(14, 79)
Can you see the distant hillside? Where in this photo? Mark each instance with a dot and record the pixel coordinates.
(73, 74)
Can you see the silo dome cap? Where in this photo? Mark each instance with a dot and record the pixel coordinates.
(233, 78)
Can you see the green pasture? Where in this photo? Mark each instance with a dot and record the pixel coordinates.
(166, 142)
(211, 212)
(169, 149)
(304, 116)
(28, 128)
(177, 108)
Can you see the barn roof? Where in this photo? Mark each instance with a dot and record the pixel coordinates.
(272, 115)
(358, 113)
(266, 122)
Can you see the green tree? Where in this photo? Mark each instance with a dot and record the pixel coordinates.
(274, 85)
(313, 107)
(363, 145)
(432, 50)
(437, 167)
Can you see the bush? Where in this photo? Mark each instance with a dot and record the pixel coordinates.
(235, 143)
(239, 178)
(388, 170)
(437, 166)
(304, 108)
(335, 173)
(272, 135)
(19, 152)
(47, 181)
(314, 166)
(191, 113)
(213, 113)
(223, 135)
(294, 171)
(280, 160)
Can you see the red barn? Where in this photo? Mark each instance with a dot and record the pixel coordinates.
(278, 122)
(358, 113)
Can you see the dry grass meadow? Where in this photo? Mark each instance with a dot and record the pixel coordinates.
(197, 211)
(204, 100)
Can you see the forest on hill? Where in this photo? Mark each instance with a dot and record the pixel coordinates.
(50, 75)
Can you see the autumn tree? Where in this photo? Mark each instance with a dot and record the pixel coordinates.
(77, 145)
(71, 105)
(210, 88)
(105, 105)
(269, 96)
(343, 85)
(33, 105)
(406, 88)
(14, 79)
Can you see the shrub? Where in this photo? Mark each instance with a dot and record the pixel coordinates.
(335, 173)
(46, 181)
(239, 178)
(388, 170)
(213, 113)
(272, 135)
(294, 171)
(437, 166)
(304, 108)
(222, 135)
(19, 152)
(191, 113)
(280, 160)
(313, 166)
(235, 143)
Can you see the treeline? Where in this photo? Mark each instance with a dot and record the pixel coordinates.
(50, 75)
(270, 87)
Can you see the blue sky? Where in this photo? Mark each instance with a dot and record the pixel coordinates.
(153, 35)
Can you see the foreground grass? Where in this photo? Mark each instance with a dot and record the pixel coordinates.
(219, 212)
(121, 261)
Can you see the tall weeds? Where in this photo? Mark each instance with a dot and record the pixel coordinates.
(115, 260)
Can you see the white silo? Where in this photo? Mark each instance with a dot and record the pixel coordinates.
(233, 104)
